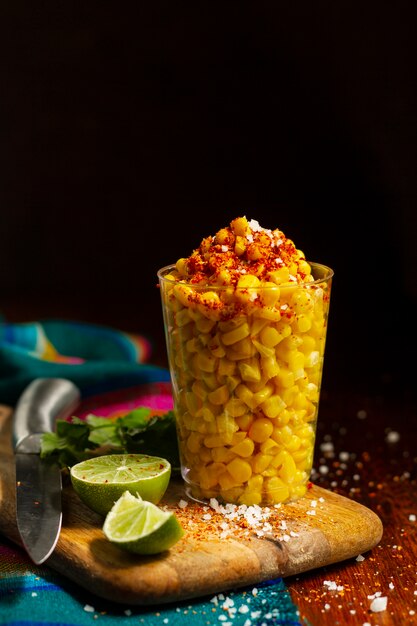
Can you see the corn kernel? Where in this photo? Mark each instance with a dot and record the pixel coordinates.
(250, 370)
(244, 421)
(220, 395)
(273, 406)
(303, 323)
(269, 446)
(269, 293)
(261, 429)
(270, 367)
(216, 348)
(267, 313)
(240, 226)
(245, 394)
(260, 396)
(236, 334)
(269, 336)
(282, 435)
(205, 361)
(226, 367)
(184, 294)
(227, 482)
(245, 448)
(277, 491)
(221, 454)
(235, 407)
(293, 444)
(227, 426)
(194, 442)
(257, 325)
(250, 497)
(240, 470)
(213, 441)
(240, 245)
(286, 467)
(264, 351)
(203, 324)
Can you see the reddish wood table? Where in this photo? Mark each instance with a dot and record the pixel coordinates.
(367, 450)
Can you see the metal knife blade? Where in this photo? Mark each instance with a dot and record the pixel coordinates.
(38, 484)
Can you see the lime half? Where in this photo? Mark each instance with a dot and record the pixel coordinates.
(101, 481)
(141, 527)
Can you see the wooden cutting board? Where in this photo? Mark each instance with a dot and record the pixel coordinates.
(216, 554)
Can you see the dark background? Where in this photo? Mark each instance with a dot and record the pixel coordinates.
(129, 131)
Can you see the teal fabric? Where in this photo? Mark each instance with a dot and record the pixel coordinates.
(40, 597)
(102, 360)
(95, 358)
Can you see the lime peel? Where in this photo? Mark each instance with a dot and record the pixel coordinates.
(141, 527)
(100, 481)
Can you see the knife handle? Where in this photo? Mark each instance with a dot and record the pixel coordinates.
(42, 402)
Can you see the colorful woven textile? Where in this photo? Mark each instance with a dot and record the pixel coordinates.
(95, 358)
(110, 369)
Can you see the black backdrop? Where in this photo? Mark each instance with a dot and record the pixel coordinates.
(131, 130)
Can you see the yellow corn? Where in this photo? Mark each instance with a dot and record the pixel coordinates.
(245, 448)
(184, 294)
(215, 346)
(270, 367)
(269, 294)
(244, 421)
(264, 351)
(269, 446)
(236, 334)
(205, 361)
(222, 454)
(273, 406)
(250, 370)
(260, 462)
(270, 336)
(277, 491)
(203, 324)
(240, 226)
(220, 395)
(286, 467)
(245, 394)
(226, 367)
(194, 442)
(240, 470)
(261, 429)
(235, 407)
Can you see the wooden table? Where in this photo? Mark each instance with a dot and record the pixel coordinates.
(366, 450)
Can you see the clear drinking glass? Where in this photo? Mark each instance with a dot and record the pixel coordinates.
(246, 380)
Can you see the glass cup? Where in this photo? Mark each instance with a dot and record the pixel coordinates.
(246, 368)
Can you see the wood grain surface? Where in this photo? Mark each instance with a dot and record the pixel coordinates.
(321, 529)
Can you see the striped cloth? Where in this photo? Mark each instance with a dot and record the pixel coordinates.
(112, 370)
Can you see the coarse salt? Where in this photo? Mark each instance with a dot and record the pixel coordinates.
(379, 604)
(88, 608)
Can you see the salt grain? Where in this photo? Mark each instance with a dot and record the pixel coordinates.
(412, 518)
(360, 558)
(88, 608)
(392, 437)
(183, 504)
(379, 604)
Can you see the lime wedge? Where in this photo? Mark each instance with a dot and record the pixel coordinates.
(101, 481)
(141, 527)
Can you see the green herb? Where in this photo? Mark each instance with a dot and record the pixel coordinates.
(137, 432)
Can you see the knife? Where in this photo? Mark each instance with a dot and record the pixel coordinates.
(38, 483)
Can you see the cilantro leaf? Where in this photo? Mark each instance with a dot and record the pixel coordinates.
(136, 432)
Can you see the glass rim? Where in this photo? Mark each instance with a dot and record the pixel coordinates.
(328, 273)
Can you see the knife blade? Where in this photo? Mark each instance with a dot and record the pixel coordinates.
(38, 483)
